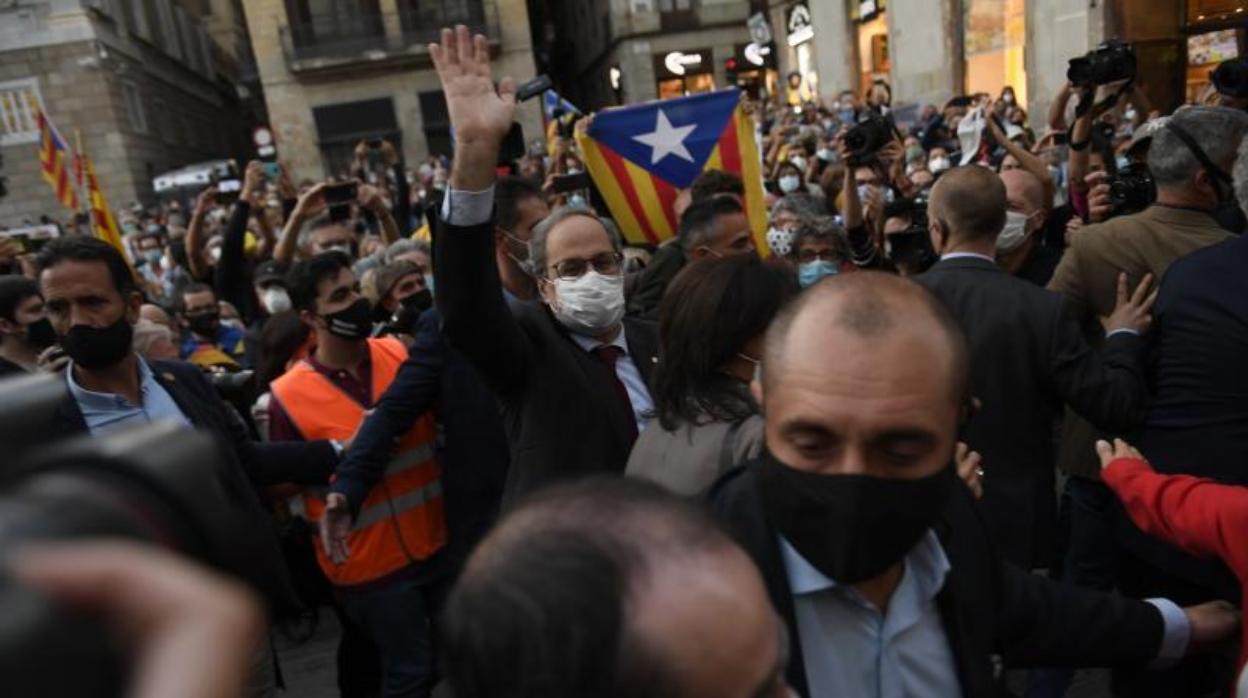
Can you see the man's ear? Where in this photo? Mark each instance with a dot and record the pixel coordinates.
(134, 302)
(8, 327)
(309, 318)
(756, 387)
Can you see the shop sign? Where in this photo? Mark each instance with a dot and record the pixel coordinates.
(799, 24)
(680, 63)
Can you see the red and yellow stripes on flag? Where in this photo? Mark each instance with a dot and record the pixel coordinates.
(103, 223)
(55, 159)
(642, 203)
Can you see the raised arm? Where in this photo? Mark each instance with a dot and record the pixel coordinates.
(310, 204)
(1028, 161)
(1200, 516)
(476, 319)
(370, 198)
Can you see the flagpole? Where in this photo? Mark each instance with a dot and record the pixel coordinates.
(79, 175)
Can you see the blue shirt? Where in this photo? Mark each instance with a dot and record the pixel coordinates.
(852, 649)
(104, 412)
(626, 371)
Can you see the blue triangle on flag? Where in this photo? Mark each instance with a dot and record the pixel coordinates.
(672, 138)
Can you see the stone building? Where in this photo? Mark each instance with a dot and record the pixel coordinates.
(147, 85)
(605, 52)
(338, 71)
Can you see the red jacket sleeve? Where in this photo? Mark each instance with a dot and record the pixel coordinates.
(1200, 516)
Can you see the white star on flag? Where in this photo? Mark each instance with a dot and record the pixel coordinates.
(667, 140)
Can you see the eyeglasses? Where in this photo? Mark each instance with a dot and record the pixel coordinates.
(606, 263)
(812, 255)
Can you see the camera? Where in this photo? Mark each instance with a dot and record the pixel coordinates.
(1131, 189)
(910, 250)
(870, 134)
(1110, 62)
(159, 484)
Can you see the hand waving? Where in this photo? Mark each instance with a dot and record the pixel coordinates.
(479, 114)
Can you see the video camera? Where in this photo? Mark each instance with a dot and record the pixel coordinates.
(159, 484)
(1132, 189)
(1112, 61)
(911, 250)
(865, 139)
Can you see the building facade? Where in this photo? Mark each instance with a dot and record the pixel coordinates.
(143, 85)
(335, 72)
(930, 50)
(607, 52)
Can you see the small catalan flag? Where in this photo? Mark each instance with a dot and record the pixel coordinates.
(55, 160)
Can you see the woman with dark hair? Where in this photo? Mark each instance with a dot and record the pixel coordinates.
(711, 326)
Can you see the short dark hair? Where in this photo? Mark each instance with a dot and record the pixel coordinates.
(712, 182)
(542, 607)
(710, 310)
(80, 248)
(14, 290)
(970, 201)
(305, 276)
(698, 222)
(509, 191)
(191, 288)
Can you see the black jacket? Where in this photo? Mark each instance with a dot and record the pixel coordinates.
(1028, 359)
(248, 463)
(562, 415)
(1198, 421)
(993, 613)
(472, 447)
(666, 263)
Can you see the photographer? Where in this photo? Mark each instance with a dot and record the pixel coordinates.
(1189, 159)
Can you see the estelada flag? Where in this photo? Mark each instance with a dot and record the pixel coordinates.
(641, 156)
(55, 159)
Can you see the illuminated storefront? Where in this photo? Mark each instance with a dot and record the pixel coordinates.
(874, 61)
(1215, 32)
(753, 69)
(994, 34)
(680, 73)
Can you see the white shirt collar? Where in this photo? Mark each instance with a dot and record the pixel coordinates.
(967, 255)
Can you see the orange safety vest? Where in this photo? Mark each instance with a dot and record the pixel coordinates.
(401, 520)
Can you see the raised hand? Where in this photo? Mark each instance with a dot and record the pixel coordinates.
(479, 113)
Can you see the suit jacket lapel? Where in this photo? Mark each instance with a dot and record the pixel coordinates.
(69, 416)
(190, 407)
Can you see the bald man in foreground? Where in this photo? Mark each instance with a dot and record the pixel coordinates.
(871, 549)
(1019, 250)
(1029, 359)
(611, 588)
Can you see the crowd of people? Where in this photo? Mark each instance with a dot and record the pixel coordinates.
(893, 454)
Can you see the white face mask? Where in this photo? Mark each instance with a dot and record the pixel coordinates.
(789, 183)
(799, 162)
(780, 241)
(591, 304)
(1014, 234)
(826, 154)
(275, 300)
(938, 164)
(864, 193)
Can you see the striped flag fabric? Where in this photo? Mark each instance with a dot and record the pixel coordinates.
(103, 223)
(641, 156)
(552, 101)
(55, 160)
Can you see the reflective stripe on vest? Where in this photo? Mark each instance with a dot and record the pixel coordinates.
(401, 521)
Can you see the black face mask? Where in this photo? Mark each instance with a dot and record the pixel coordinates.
(40, 335)
(850, 527)
(205, 324)
(353, 322)
(418, 302)
(98, 347)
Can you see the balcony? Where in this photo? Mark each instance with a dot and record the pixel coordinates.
(330, 43)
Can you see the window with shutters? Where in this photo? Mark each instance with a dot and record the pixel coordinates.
(18, 123)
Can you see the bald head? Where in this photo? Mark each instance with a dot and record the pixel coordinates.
(969, 202)
(870, 306)
(1023, 191)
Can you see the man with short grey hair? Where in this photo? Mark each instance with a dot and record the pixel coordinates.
(570, 371)
(1189, 159)
(1196, 424)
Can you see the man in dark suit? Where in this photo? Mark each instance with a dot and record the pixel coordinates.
(93, 302)
(1028, 359)
(571, 376)
(870, 546)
